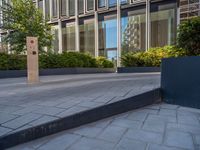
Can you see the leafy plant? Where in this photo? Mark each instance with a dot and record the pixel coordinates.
(21, 18)
(102, 62)
(189, 36)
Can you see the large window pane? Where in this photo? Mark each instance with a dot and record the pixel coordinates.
(81, 6)
(55, 41)
(90, 5)
(163, 24)
(101, 3)
(40, 5)
(69, 38)
(112, 3)
(63, 7)
(71, 7)
(108, 37)
(47, 10)
(54, 8)
(133, 27)
(87, 36)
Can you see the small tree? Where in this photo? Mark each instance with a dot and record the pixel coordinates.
(21, 18)
(189, 36)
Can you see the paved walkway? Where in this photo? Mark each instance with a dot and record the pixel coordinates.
(23, 106)
(156, 127)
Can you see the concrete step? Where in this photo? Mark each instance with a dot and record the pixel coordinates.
(80, 118)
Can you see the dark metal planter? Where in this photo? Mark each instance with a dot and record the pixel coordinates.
(180, 81)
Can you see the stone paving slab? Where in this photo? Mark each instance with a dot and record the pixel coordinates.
(25, 106)
(116, 133)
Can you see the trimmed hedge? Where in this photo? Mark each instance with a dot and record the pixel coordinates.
(152, 57)
(49, 60)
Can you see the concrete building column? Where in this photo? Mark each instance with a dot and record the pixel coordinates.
(77, 27)
(148, 25)
(96, 34)
(118, 33)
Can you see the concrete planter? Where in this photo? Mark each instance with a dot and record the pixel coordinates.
(137, 69)
(57, 71)
(180, 81)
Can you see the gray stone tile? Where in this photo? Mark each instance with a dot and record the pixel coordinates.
(51, 103)
(91, 144)
(9, 108)
(146, 136)
(154, 106)
(71, 111)
(68, 104)
(22, 128)
(87, 131)
(179, 139)
(127, 123)
(155, 126)
(4, 131)
(21, 121)
(137, 116)
(90, 104)
(169, 106)
(4, 117)
(157, 118)
(168, 112)
(129, 144)
(161, 147)
(112, 134)
(102, 123)
(192, 110)
(27, 110)
(49, 110)
(148, 111)
(42, 120)
(104, 99)
(21, 148)
(183, 128)
(60, 142)
(188, 119)
(197, 139)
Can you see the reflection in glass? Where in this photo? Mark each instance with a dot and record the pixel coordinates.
(81, 6)
(101, 3)
(71, 7)
(90, 5)
(112, 3)
(54, 9)
(108, 37)
(87, 37)
(69, 38)
(63, 7)
(47, 10)
(133, 28)
(55, 41)
(163, 25)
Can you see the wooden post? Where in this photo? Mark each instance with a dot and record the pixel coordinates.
(32, 60)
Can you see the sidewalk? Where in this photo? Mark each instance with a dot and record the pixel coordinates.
(156, 127)
(23, 106)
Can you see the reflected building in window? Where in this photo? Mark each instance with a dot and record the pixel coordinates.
(110, 28)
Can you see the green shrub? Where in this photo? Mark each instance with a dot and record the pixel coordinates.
(152, 57)
(189, 36)
(102, 62)
(50, 60)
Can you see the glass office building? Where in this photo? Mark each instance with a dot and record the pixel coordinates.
(110, 27)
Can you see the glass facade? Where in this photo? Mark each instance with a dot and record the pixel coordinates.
(87, 36)
(108, 37)
(69, 37)
(133, 30)
(97, 33)
(163, 24)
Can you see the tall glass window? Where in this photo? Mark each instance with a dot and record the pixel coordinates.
(54, 9)
(112, 3)
(133, 28)
(163, 24)
(108, 37)
(63, 7)
(101, 3)
(47, 10)
(81, 6)
(69, 37)
(71, 7)
(40, 5)
(55, 41)
(90, 5)
(87, 36)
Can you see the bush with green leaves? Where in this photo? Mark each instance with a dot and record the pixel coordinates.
(152, 57)
(50, 60)
(102, 62)
(189, 36)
